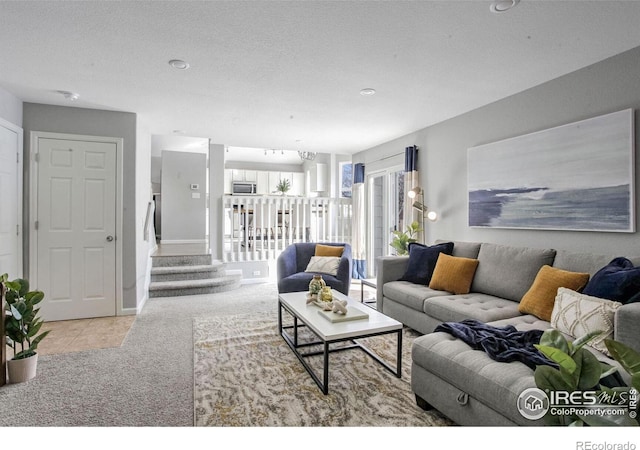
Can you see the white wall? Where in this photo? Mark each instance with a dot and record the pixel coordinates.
(144, 248)
(183, 209)
(608, 86)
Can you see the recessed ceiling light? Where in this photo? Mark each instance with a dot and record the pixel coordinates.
(69, 95)
(178, 132)
(367, 91)
(179, 64)
(500, 6)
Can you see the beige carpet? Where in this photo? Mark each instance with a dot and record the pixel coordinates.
(246, 375)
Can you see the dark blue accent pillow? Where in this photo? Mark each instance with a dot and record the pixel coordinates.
(618, 281)
(422, 261)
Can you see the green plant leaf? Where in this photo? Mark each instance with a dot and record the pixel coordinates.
(553, 338)
(554, 354)
(607, 370)
(635, 381)
(546, 377)
(583, 340)
(588, 369)
(628, 358)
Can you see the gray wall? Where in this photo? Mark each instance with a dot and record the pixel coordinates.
(183, 217)
(10, 108)
(92, 122)
(608, 86)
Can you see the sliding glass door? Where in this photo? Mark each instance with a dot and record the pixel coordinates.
(385, 208)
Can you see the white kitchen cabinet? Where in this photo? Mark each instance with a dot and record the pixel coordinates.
(297, 183)
(262, 182)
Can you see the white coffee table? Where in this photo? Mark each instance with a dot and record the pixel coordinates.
(295, 303)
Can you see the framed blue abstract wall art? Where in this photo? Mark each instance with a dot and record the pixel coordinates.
(578, 176)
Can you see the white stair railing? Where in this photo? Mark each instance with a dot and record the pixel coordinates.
(258, 228)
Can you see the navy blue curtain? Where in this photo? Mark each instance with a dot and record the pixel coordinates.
(410, 181)
(358, 243)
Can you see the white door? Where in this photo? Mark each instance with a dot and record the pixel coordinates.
(76, 225)
(10, 189)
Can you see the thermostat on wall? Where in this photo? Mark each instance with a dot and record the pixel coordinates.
(195, 187)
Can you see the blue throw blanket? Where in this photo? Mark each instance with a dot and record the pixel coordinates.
(504, 344)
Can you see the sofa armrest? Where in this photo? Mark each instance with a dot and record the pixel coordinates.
(388, 268)
(286, 263)
(625, 325)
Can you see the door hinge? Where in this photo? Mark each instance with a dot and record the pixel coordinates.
(17, 230)
(37, 224)
(37, 157)
(18, 157)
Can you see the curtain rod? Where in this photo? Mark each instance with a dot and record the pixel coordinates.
(386, 157)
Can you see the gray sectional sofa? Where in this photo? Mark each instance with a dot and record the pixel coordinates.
(465, 384)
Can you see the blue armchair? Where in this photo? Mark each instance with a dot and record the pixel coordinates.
(293, 261)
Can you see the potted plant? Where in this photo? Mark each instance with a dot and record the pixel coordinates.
(402, 239)
(22, 328)
(283, 186)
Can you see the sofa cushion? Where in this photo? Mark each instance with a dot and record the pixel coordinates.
(483, 307)
(523, 322)
(463, 249)
(453, 274)
(578, 314)
(422, 261)
(409, 294)
(492, 383)
(618, 281)
(508, 272)
(539, 299)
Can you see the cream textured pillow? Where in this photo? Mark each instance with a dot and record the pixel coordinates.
(324, 264)
(578, 314)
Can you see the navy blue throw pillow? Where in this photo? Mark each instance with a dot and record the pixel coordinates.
(422, 261)
(618, 281)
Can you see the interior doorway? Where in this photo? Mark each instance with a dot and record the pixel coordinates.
(11, 188)
(76, 214)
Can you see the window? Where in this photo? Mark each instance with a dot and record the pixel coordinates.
(346, 179)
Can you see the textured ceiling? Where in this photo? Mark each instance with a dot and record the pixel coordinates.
(271, 73)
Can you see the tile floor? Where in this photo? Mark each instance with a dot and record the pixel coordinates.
(83, 334)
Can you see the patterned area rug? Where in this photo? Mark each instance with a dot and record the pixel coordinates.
(246, 375)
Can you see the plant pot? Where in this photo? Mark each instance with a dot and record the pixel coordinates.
(21, 370)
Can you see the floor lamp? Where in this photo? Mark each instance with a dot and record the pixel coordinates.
(417, 193)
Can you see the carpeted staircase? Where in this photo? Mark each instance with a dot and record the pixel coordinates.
(173, 276)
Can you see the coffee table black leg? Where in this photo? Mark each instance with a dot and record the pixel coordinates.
(399, 356)
(325, 387)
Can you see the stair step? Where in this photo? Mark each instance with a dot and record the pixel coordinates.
(194, 287)
(174, 273)
(181, 260)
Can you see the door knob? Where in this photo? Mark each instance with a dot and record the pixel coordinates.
(109, 238)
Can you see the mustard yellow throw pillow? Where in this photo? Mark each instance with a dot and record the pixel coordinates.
(453, 274)
(328, 250)
(541, 296)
